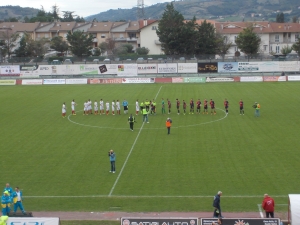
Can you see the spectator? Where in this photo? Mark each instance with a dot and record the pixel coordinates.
(268, 205)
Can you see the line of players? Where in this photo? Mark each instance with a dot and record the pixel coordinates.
(149, 105)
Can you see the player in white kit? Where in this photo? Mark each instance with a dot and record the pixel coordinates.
(113, 107)
(118, 107)
(101, 106)
(137, 107)
(90, 107)
(85, 108)
(64, 110)
(107, 108)
(73, 104)
(96, 107)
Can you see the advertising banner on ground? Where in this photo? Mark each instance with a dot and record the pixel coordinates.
(127, 70)
(219, 79)
(33, 220)
(228, 67)
(274, 78)
(10, 70)
(163, 80)
(7, 82)
(137, 80)
(54, 81)
(108, 69)
(177, 79)
(147, 68)
(32, 82)
(87, 69)
(194, 79)
(241, 221)
(208, 67)
(76, 81)
(167, 68)
(287, 66)
(251, 79)
(293, 78)
(159, 221)
(187, 68)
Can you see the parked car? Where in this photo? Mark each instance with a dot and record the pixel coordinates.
(55, 62)
(68, 61)
(292, 56)
(106, 60)
(182, 59)
(140, 60)
(95, 60)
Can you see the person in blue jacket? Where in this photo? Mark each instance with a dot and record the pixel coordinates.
(125, 106)
(112, 159)
(5, 203)
(8, 188)
(217, 205)
(17, 199)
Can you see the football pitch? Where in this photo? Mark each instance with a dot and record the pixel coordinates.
(61, 164)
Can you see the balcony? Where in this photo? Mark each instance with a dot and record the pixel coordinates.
(120, 39)
(95, 40)
(134, 39)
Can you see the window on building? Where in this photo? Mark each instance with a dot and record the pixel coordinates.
(235, 37)
(277, 49)
(265, 47)
(277, 38)
(102, 35)
(296, 37)
(154, 28)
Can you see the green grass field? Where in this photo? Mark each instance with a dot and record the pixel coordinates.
(62, 163)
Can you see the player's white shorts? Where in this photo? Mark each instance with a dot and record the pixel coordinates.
(85, 109)
(95, 108)
(113, 108)
(107, 109)
(73, 107)
(101, 108)
(137, 108)
(63, 111)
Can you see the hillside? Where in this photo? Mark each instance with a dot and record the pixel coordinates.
(18, 12)
(235, 10)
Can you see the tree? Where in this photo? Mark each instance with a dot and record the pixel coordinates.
(21, 51)
(97, 52)
(206, 39)
(190, 38)
(111, 45)
(129, 48)
(248, 41)
(170, 31)
(58, 44)
(80, 43)
(296, 47)
(68, 16)
(286, 50)
(55, 12)
(142, 51)
(295, 19)
(10, 41)
(280, 18)
(103, 47)
(223, 45)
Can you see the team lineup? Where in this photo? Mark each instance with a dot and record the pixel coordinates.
(114, 108)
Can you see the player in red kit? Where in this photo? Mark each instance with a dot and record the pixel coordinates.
(241, 103)
(184, 107)
(169, 106)
(212, 107)
(192, 106)
(226, 104)
(177, 106)
(205, 107)
(198, 103)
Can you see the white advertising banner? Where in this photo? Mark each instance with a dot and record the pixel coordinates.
(147, 68)
(10, 70)
(187, 67)
(32, 82)
(251, 79)
(167, 68)
(219, 79)
(108, 69)
(54, 81)
(271, 66)
(293, 78)
(177, 79)
(289, 66)
(76, 81)
(8, 82)
(33, 220)
(137, 80)
(127, 70)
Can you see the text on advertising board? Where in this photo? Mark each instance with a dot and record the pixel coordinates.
(159, 221)
(241, 221)
(208, 67)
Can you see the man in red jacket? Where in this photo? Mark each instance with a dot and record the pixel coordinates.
(268, 205)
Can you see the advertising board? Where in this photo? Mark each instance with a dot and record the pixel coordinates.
(293, 78)
(194, 79)
(76, 81)
(274, 78)
(163, 80)
(127, 70)
(7, 82)
(187, 68)
(54, 81)
(177, 79)
(137, 80)
(167, 68)
(208, 67)
(9, 70)
(147, 68)
(289, 66)
(241, 221)
(159, 221)
(33, 220)
(32, 82)
(251, 79)
(227, 67)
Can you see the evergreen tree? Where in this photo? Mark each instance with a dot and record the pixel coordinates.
(280, 18)
(248, 41)
(80, 43)
(58, 44)
(206, 39)
(296, 47)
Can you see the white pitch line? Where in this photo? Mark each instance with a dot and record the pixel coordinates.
(121, 171)
(155, 196)
(260, 211)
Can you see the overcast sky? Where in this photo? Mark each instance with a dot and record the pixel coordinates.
(82, 7)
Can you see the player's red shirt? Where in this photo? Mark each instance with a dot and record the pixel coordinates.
(169, 103)
(226, 103)
(191, 103)
(212, 104)
(184, 105)
(205, 103)
(198, 104)
(241, 103)
(178, 103)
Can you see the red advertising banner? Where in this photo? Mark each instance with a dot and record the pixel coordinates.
(274, 78)
(163, 80)
(177, 79)
(236, 79)
(105, 81)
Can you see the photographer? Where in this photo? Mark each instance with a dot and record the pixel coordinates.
(112, 159)
(168, 125)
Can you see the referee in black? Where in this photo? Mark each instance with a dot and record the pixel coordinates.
(131, 121)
